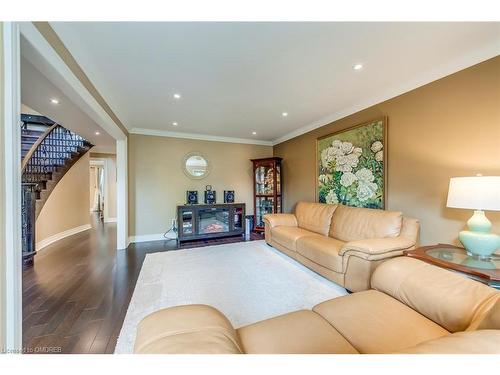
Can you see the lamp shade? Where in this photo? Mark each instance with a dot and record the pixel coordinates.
(476, 193)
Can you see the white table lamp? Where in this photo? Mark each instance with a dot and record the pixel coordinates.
(477, 193)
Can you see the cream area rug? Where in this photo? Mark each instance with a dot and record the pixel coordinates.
(247, 281)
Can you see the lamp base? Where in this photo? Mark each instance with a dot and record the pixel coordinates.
(479, 244)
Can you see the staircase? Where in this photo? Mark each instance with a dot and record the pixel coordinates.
(48, 151)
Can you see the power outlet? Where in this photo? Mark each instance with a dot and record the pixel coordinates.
(174, 225)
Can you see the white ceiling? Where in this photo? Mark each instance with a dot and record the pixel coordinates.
(37, 91)
(236, 78)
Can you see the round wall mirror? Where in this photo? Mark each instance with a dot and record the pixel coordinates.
(196, 165)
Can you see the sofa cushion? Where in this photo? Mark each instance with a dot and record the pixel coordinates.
(449, 299)
(299, 332)
(288, 236)
(353, 223)
(315, 217)
(374, 322)
(187, 329)
(321, 250)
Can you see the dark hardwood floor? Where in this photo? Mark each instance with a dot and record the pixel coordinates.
(76, 295)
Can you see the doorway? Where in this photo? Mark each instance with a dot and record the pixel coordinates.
(97, 188)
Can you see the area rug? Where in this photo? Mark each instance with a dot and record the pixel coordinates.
(247, 281)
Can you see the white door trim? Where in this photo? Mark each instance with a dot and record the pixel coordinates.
(102, 162)
(122, 240)
(10, 201)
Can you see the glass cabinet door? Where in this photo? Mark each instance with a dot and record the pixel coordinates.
(268, 189)
(263, 206)
(238, 218)
(187, 222)
(264, 180)
(278, 180)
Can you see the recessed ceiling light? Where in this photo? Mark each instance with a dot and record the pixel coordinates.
(254, 133)
(97, 133)
(177, 96)
(357, 66)
(175, 123)
(54, 101)
(284, 114)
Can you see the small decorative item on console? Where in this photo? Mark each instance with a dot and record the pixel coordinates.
(191, 197)
(210, 195)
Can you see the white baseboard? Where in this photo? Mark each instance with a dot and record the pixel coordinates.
(110, 220)
(59, 236)
(149, 237)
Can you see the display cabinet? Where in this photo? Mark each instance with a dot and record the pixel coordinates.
(267, 189)
(203, 221)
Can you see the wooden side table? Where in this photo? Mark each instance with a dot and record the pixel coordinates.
(456, 259)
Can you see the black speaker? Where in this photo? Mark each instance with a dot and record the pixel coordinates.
(191, 197)
(210, 197)
(228, 196)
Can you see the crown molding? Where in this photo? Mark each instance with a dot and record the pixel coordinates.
(200, 137)
(442, 71)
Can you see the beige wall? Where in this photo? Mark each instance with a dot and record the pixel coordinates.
(157, 183)
(111, 181)
(68, 205)
(450, 127)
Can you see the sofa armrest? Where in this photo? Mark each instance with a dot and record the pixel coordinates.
(377, 246)
(186, 329)
(274, 220)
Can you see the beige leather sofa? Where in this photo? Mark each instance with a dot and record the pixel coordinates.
(343, 244)
(413, 307)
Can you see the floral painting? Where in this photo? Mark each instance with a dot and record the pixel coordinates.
(351, 166)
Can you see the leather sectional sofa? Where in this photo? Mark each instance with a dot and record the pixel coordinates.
(343, 244)
(412, 307)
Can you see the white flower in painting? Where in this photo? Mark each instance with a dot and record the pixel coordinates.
(341, 156)
(357, 151)
(347, 179)
(342, 164)
(328, 158)
(364, 175)
(347, 147)
(324, 178)
(379, 156)
(345, 163)
(337, 146)
(366, 191)
(377, 146)
(331, 198)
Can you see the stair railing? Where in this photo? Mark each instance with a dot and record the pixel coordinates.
(48, 153)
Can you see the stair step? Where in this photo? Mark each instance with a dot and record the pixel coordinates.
(30, 136)
(31, 132)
